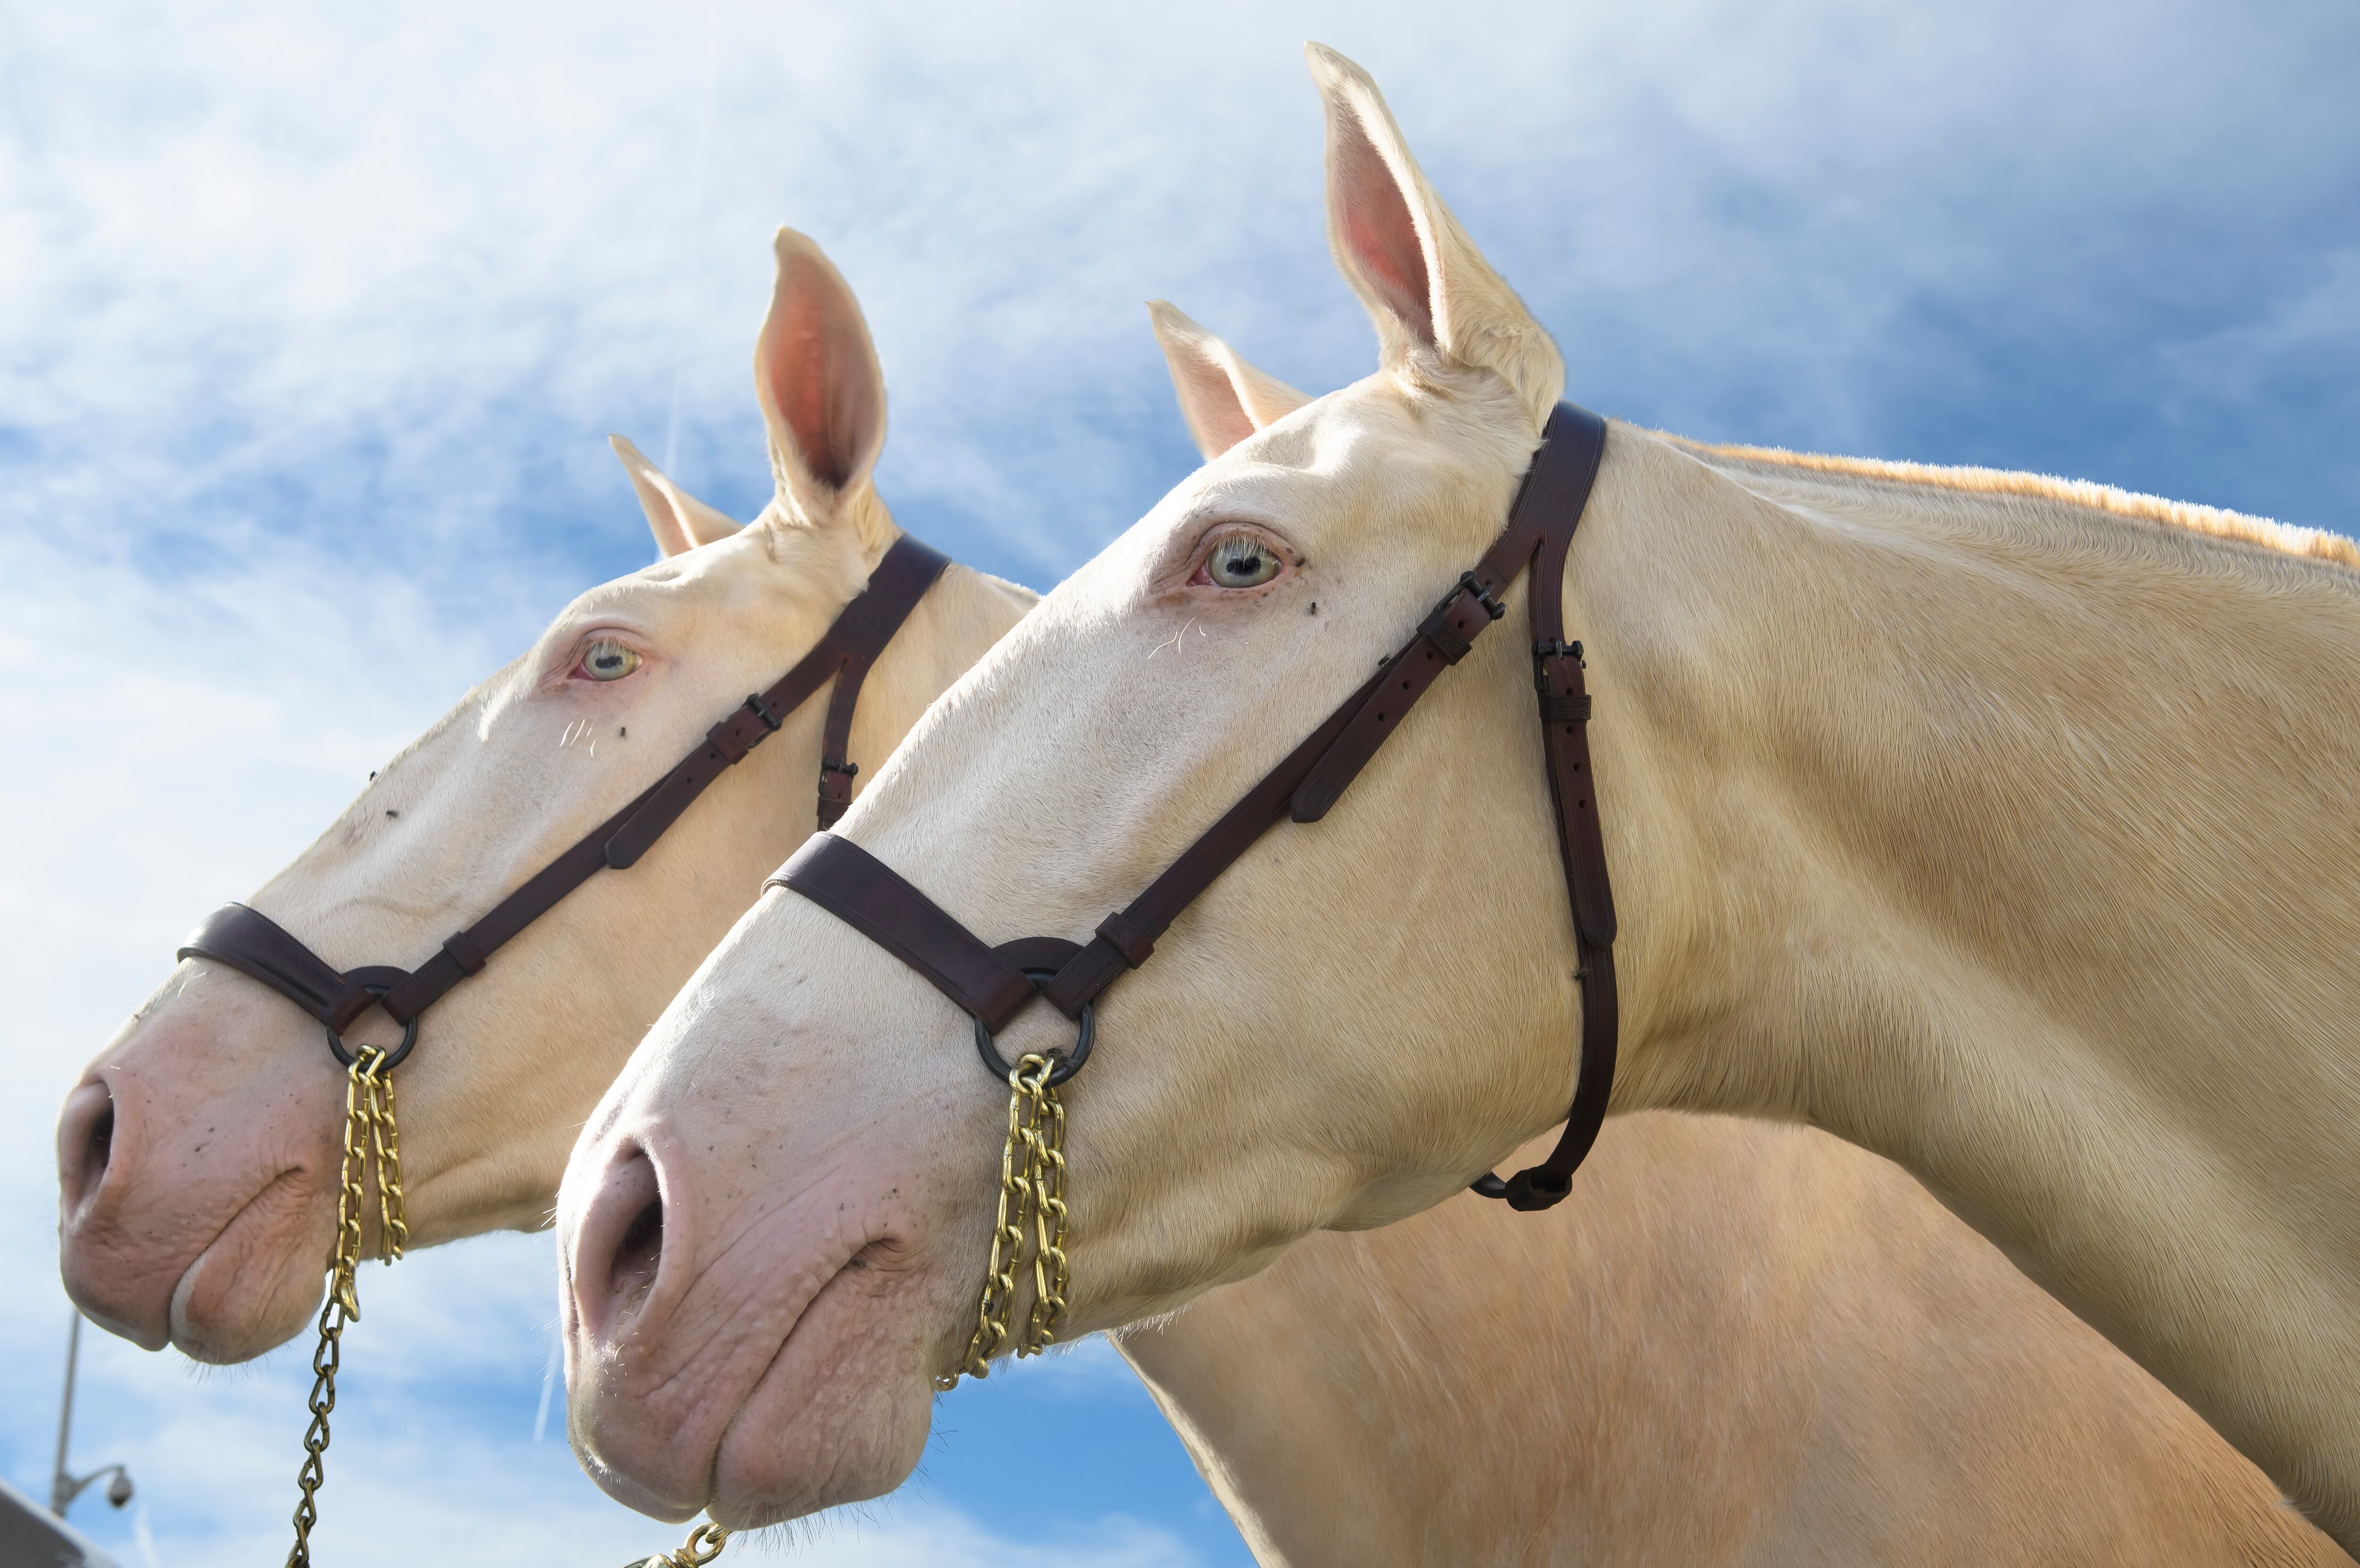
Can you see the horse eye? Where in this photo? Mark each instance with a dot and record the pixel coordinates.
(1241, 560)
(607, 659)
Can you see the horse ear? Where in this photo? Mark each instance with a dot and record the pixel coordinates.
(1223, 398)
(822, 391)
(1432, 294)
(677, 519)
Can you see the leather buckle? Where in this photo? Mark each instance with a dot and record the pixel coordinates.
(1546, 650)
(761, 709)
(1469, 584)
(831, 765)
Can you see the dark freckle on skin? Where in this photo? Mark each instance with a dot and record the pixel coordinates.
(1315, 606)
(623, 733)
(393, 814)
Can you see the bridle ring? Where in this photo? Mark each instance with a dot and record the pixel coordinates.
(1067, 1065)
(392, 1058)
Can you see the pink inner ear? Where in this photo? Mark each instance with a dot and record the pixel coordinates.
(1379, 235)
(821, 376)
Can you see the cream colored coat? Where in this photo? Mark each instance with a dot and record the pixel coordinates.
(1998, 831)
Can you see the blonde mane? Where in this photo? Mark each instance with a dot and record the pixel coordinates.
(2275, 538)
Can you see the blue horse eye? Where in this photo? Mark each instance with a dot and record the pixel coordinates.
(1242, 562)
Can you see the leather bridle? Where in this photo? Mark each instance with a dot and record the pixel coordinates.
(994, 984)
(252, 943)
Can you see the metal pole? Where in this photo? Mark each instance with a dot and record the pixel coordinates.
(61, 1487)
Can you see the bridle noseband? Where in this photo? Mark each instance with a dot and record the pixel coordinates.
(254, 945)
(996, 984)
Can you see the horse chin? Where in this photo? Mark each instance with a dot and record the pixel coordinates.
(257, 1284)
(839, 1416)
(785, 1373)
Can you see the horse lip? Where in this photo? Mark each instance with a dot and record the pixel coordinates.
(754, 1516)
(180, 1331)
(634, 1489)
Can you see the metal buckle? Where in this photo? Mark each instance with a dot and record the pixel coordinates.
(1067, 1065)
(828, 765)
(1546, 650)
(761, 709)
(1468, 583)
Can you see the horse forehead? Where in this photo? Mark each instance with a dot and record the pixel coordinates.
(1332, 456)
(712, 579)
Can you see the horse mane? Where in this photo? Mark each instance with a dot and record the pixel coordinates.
(2280, 540)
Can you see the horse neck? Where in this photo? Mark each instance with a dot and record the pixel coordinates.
(2010, 840)
(1730, 1343)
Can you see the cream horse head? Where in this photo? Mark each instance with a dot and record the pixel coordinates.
(199, 1155)
(1936, 818)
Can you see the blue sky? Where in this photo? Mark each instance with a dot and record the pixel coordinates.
(312, 324)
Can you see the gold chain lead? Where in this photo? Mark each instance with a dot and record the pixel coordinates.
(1032, 1196)
(368, 1130)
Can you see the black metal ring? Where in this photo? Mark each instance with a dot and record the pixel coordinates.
(1067, 1065)
(393, 1058)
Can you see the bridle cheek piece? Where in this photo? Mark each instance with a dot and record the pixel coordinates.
(996, 984)
(254, 945)
(258, 947)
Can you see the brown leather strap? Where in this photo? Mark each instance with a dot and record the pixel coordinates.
(1564, 710)
(251, 943)
(876, 901)
(254, 944)
(866, 894)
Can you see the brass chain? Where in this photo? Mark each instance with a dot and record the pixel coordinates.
(1032, 1195)
(703, 1545)
(368, 1130)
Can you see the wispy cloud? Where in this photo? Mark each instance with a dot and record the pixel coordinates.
(311, 320)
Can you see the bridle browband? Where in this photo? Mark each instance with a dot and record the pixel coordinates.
(996, 984)
(252, 943)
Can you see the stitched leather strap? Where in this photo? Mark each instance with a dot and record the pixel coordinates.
(876, 901)
(256, 946)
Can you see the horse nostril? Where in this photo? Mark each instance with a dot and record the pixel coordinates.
(85, 1142)
(96, 1145)
(636, 1258)
(630, 1208)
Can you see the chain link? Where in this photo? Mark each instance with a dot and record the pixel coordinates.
(1032, 1196)
(368, 1130)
